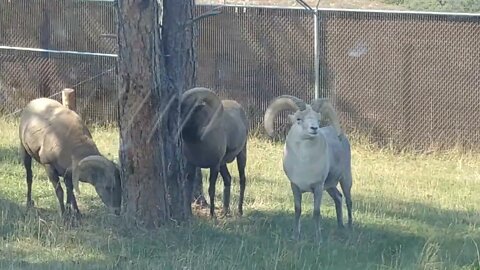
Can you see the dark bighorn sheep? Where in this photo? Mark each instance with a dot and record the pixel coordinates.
(214, 132)
(315, 158)
(57, 138)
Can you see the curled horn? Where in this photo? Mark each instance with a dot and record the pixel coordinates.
(84, 170)
(196, 95)
(325, 108)
(192, 97)
(283, 102)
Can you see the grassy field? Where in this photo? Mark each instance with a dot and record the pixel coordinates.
(410, 212)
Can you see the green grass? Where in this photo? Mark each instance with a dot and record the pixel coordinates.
(410, 212)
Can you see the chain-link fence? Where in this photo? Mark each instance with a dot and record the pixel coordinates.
(61, 29)
(404, 78)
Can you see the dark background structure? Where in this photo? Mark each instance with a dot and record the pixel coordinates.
(401, 78)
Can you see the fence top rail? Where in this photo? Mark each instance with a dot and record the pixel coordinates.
(56, 51)
(386, 11)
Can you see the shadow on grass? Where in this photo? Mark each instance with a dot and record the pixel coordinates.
(9, 154)
(261, 240)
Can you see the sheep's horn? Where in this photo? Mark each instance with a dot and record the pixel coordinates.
(325, 108)
(199, 94)
(84, 168)
(202, 94)
(283, 102)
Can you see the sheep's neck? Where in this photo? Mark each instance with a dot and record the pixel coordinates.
(196, 129)
(305, 148)
(306, 162)
(85, 148)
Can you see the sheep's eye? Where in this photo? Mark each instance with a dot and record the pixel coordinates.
(299, 119)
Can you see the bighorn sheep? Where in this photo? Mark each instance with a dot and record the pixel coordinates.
(315, 158)
(56, 137)
(214, 133)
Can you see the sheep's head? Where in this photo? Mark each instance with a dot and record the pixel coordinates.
(200, 108)
(104, 175)
(306, 118)
(306, 122)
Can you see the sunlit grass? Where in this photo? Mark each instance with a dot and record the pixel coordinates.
(410, 212)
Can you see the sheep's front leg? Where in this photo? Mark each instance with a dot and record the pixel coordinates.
(71, 201)
(317, 200)
(54, 179)
(211, 189)
(188, 191)
(227, 183)
(297, 197)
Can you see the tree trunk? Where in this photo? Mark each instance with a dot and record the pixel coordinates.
(155, 66)
(178, 44)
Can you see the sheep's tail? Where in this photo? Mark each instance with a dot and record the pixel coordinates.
(281, 103)
(325, 108)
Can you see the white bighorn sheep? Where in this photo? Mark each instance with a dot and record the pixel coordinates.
(214, 133)
(57, 138)
(315, 158)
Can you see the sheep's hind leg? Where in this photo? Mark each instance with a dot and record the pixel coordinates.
(346, 188)
(297, 197)
(27, 163)
(337, 199)
(54, 179)
(317, 200)
(241, 164)
(227, 185)
(211, 189)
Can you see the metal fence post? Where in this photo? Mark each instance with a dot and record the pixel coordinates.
(316, 54)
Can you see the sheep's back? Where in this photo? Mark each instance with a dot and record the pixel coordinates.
(49, 132)
(236, 127)
(339, 152)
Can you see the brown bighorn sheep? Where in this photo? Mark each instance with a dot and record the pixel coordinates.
(57, 138)
(214, 133)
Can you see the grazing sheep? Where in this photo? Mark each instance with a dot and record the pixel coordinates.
(315, 158)
(56, 137)
(214, 133)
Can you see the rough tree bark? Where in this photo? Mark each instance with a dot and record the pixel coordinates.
(178, 44)
(156, 64)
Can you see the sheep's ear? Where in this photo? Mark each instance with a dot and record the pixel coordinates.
(291, 118)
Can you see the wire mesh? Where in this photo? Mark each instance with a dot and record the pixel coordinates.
(60, 26)
(252, 55)
(399, 78)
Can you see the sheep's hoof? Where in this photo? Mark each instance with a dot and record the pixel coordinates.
(71, 219)
(30, 204)
(201, 202)
(226, 213)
